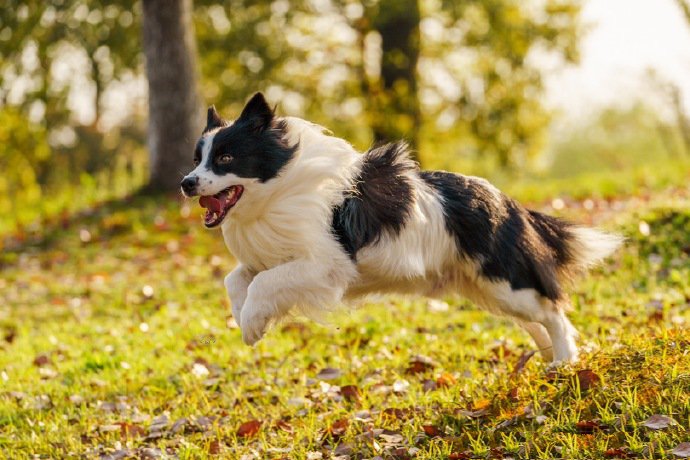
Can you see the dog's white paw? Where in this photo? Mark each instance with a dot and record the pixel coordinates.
(254, 322)
(236, 311)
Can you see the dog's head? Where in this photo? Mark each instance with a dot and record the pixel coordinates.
(235, 159)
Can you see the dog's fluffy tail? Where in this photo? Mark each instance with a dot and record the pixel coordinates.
(573, 249)
(589, 246)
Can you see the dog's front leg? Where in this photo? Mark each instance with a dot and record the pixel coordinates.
(236, 283)
(274, 292)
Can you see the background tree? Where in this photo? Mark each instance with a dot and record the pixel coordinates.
(487, 50)
(395, 107)
(174, 109)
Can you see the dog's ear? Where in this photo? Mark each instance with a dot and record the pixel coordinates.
(257, 113)
(213, 119)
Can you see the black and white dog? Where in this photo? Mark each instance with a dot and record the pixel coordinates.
(313, 223)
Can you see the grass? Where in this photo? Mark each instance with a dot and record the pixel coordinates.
(115, 341)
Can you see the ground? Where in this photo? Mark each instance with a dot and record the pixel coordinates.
(116, 342)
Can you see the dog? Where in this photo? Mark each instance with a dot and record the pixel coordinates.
(314, 224)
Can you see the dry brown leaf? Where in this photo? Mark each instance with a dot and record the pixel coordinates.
(42, 360)
(328, 373)
(446, 380)
(587, 379)
(429, 385)
(431, 431)
(616, 453)
(659, 422)
(682, 450)
(419, 364)
(350, 393)
(338, 428)
(522, 362)
(587, 426)
(283, 425)
(249, 429)
(214, 447)
(131, 430)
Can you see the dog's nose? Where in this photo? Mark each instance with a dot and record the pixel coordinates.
(189, 184)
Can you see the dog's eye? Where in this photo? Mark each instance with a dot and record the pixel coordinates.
(196, 162)
(224, 159)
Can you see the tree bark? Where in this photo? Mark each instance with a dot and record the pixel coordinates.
(174, 110)
(398, 114)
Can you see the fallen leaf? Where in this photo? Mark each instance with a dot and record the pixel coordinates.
(205, 423)
(431, 431)
(522, 362)
(587, 379)
(419, 364)
(249, 429)
(396, 412)
(344, 449)
(283, 425)
(400, 454)
(151, 453)
(42, 360)
(481, 404)
(391, 437)
(616, 453)
(117, 455)
(587, 426)
(214, 447)
(446, 380)
(328, 373)
(429, 385)
(159, 423)
(659, 422)
(682, 450)
(350, 393)
(460, 456)
(338, 428)
(109, 428)
(179, 425)
(130, 430)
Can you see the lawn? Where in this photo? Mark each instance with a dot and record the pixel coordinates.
(116, 342)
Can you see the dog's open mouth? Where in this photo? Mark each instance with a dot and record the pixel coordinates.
(218, 205)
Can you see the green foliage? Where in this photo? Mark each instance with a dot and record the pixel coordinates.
(55, 55)
(497, 111)
(615, 140)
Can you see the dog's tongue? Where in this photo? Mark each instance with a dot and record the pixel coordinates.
(211, 203)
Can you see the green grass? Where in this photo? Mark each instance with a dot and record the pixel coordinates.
(119, 316)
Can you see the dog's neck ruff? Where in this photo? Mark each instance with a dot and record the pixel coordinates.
(289, 216)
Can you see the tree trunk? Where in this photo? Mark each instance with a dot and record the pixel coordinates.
(174, 111)
(397, 107)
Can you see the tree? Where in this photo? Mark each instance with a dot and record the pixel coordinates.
(174, 109)
(395, 104)
(490, 45)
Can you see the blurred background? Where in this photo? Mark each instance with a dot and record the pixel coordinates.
(99, 100)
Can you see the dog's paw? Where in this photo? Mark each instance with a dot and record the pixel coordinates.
(253, 323)
(236, 311)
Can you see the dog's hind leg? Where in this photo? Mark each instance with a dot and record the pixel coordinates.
(544, 319)
(540, 336)
(562, 334)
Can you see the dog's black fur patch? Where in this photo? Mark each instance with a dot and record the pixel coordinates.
(380, 200)
(525, 248)
(256, 141)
